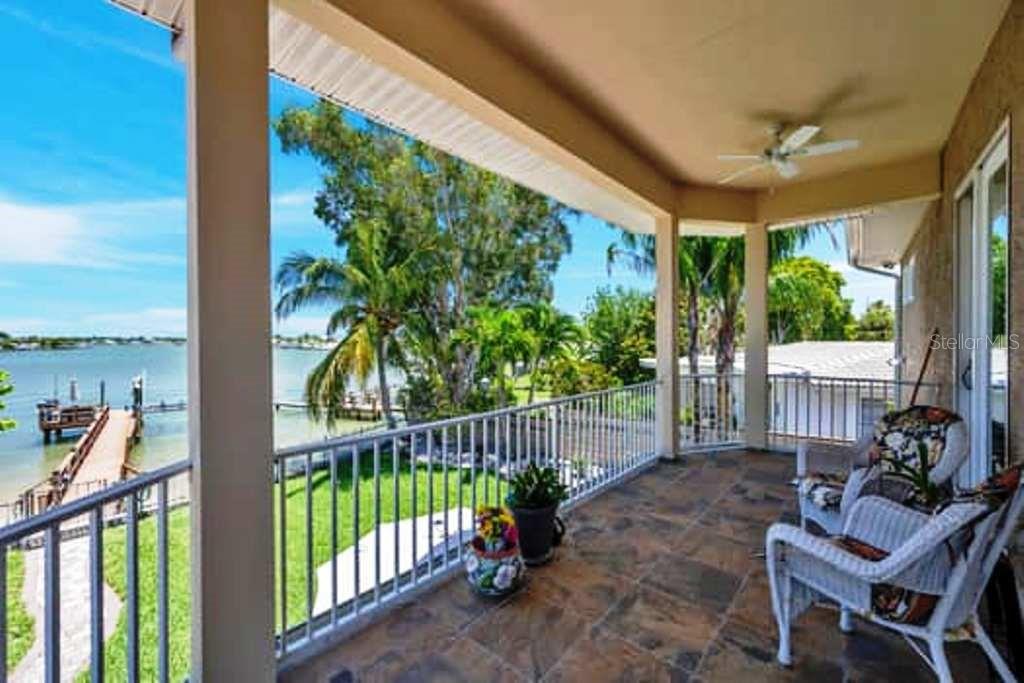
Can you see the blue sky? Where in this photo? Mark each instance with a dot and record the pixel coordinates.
(92, 184)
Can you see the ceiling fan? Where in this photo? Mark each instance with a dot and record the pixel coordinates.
(780, 155)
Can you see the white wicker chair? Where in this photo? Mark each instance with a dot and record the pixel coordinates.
(804, 569)
(852, 462)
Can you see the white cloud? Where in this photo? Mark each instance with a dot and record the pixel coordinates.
(149, 322)
(157, 321)
(294, 198)
(295, 325)
(292, 211)
(84, 235)
(862, 287)
(26, 326)
(89, 40)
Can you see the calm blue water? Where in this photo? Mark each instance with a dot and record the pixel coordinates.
(24, 460)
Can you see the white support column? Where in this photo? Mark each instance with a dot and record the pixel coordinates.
(755, 381)
(229, 365)
(667, 336)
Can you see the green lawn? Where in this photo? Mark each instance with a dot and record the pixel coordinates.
(179, 574)
(20, 624)
(521, 391)
(296, 502)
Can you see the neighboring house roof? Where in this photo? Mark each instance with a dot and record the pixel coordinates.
(841, 359)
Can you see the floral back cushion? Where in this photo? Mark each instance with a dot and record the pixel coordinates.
(900, 434)
(995, 490)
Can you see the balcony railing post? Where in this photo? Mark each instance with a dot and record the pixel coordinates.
(3, 612)
(593, 439)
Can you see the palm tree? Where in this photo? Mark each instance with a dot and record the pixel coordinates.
(497, 339)
(552, 334)
(696, 259)
(712, 267)
(5, 388)
(374, 289)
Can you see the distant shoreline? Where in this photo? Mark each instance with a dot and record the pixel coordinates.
(34, 343)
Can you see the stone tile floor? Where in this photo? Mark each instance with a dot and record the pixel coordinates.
(657, 581)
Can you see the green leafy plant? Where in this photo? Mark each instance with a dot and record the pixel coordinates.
(536, 488)
(5, 388)
(917, 476)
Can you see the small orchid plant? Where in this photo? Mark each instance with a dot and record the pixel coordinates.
(918, 477)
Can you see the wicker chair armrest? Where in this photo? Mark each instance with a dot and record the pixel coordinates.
(825, 456)
(909, 562)
(882, 522)
(789, 536)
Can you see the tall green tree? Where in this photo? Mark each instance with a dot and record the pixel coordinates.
(805, 302)
(619, 328)
(712, 269)
(553, 335)
(877, 323)
(500, 243)
(998, 287)
(500, 340)
(695, 259)
(5, 388)
(374, 289)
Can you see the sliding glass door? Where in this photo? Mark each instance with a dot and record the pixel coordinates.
(983, 225)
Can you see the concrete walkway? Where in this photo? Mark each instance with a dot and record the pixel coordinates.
(426, 538)
(75, 629)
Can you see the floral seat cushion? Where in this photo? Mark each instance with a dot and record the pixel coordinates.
(823, 489)
(902, 605)
(899, 435)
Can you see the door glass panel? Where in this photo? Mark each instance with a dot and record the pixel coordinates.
(998, 233)
(965, 225)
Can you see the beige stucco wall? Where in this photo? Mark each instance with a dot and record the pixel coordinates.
(996, 92)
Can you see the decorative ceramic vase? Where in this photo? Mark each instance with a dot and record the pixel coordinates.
(494, 573)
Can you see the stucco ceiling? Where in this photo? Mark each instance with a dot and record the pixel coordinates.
(684, 80)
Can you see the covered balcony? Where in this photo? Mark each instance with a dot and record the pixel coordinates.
(657, 582)
(337, 560)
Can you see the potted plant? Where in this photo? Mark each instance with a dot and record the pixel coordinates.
(923, 492)
(534, 496)
(494, 566)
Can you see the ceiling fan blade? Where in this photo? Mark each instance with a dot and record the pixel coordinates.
(739, 157)
(786, 169)
(742, 172)
(828, 148)
(798, 138)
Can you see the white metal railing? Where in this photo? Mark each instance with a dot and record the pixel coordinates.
(711, 410)
(836, 409)
(364, 519)
(130, 505)
(799, 407)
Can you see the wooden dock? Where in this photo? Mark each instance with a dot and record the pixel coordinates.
(55, 419)
(100, 457)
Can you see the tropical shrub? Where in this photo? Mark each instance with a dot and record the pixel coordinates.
(569, 376)
(5, 388)
(619, 326)
(535, 488)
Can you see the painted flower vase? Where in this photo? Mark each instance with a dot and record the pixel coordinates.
(494, 573)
